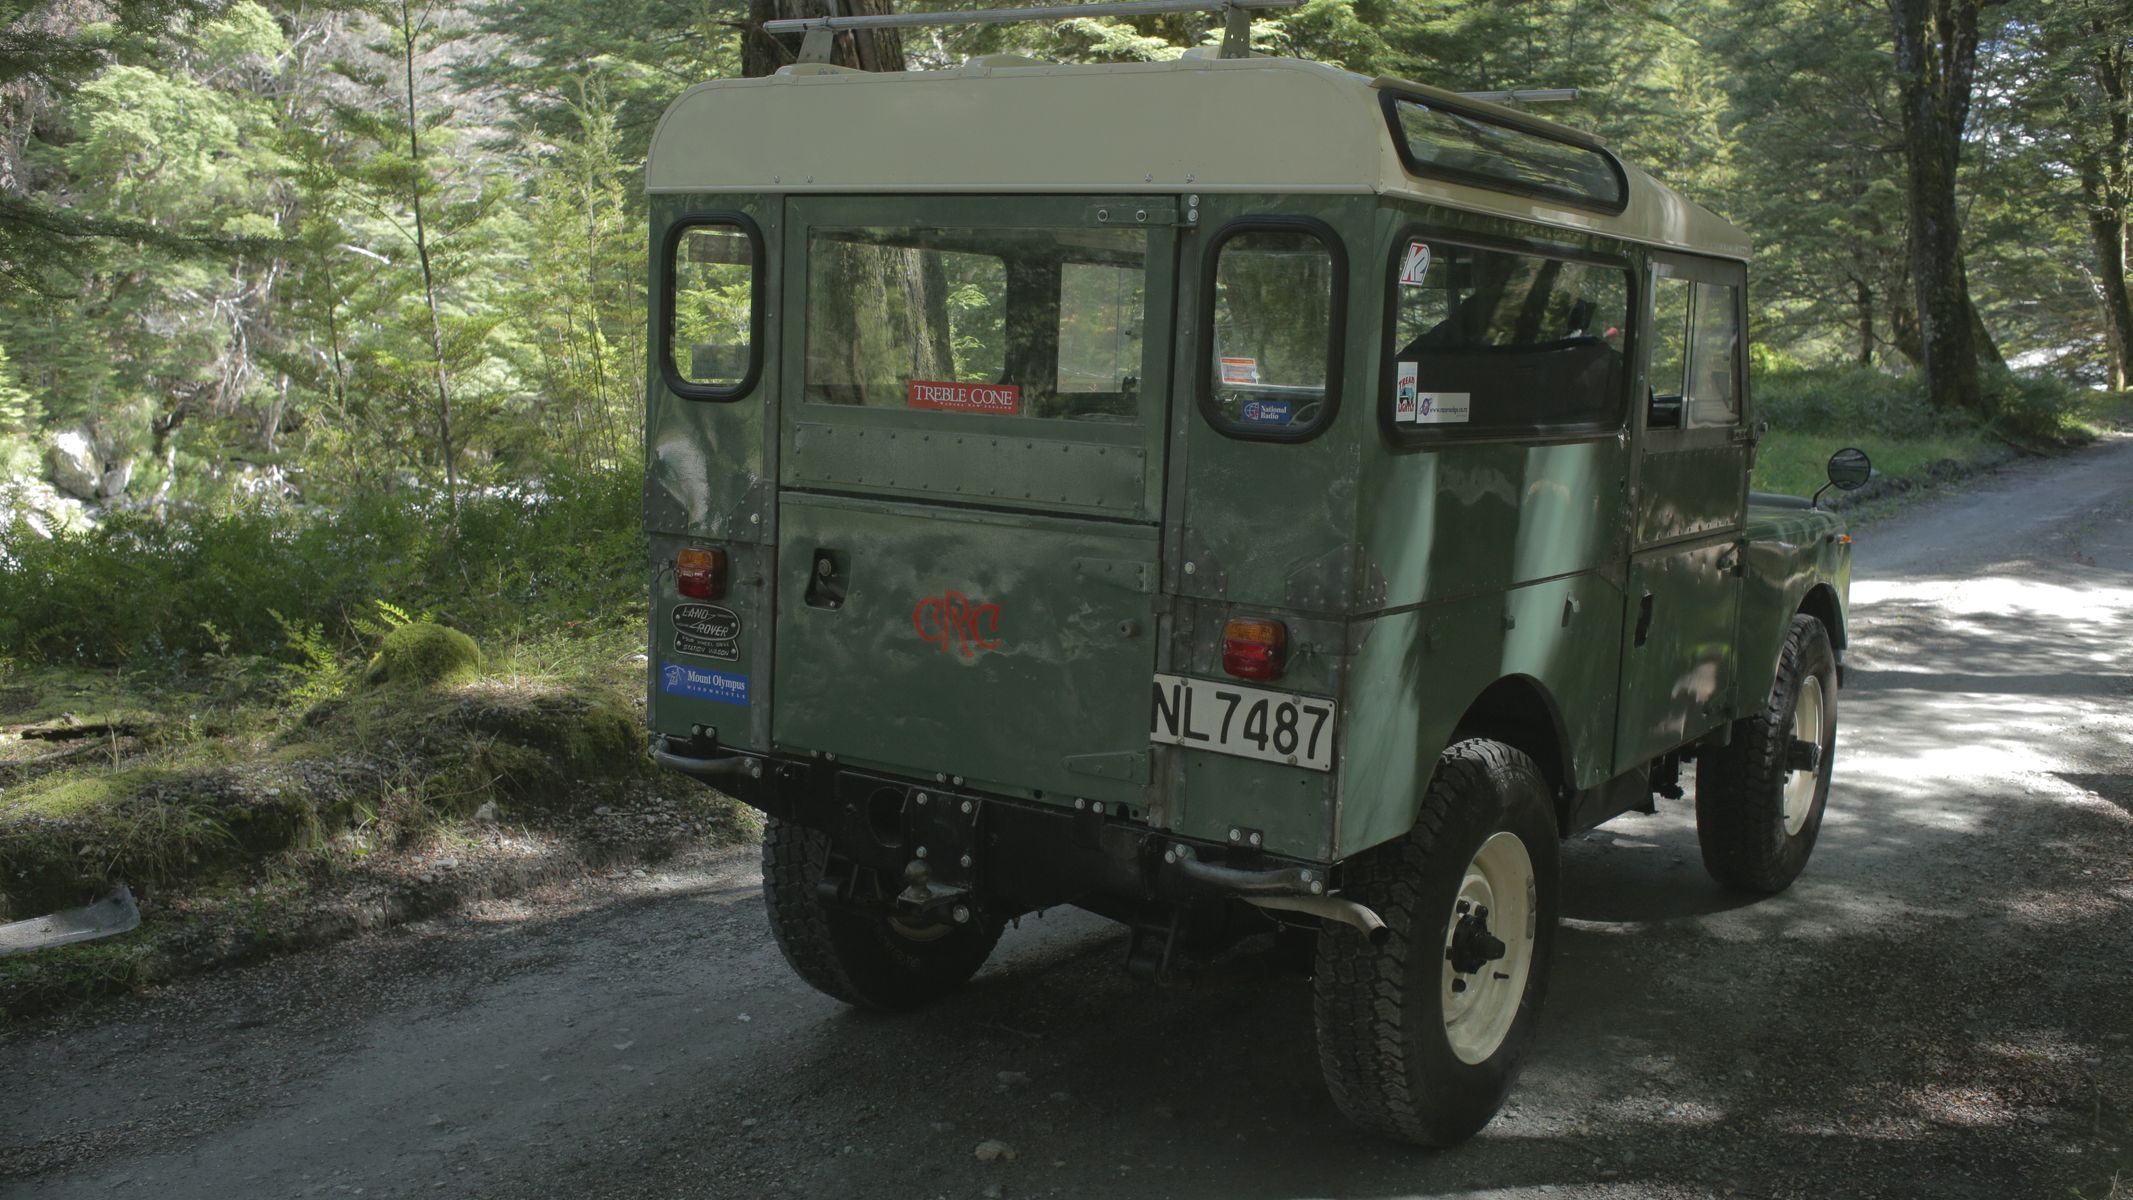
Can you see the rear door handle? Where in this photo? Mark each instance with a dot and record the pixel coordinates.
(828, 578)
(1644, 618)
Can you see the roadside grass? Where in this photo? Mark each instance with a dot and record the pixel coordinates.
(1795, 464)
(1814, 412)
(231, 834)
(224, 753)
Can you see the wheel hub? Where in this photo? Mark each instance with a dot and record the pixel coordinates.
(1473, 946)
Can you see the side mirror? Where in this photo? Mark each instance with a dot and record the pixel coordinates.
(1849, 469)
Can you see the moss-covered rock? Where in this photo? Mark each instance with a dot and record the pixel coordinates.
(423, 654)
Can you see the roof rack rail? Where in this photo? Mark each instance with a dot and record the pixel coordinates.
(820, 32)
(1524, 95)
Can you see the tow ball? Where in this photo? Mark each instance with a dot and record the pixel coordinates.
(1472, 945)
(922, 898)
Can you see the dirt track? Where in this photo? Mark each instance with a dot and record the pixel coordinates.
(1939, 1008)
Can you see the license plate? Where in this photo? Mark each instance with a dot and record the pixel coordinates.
(1249, 722)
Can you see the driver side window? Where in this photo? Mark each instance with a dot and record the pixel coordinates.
(1693, 374)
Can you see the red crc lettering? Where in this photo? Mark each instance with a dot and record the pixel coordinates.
(951, 619)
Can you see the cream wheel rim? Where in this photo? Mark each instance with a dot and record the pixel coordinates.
(1801, 782)
(1488, 948)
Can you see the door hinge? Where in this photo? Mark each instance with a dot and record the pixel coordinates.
(1132, 574)
(1132, 213)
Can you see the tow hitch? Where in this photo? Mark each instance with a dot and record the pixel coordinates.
(923, 900)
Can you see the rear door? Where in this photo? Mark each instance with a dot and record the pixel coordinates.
(970, 486)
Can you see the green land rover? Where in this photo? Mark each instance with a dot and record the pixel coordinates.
(1220, 494)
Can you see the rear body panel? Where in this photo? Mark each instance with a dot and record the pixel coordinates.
(1010, 649)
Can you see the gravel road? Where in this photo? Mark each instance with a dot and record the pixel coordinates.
(1939, 1008)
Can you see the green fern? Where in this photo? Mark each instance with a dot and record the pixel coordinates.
(390, 617)
(316, 673)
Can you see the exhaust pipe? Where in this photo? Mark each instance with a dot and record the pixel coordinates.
(1332, 908)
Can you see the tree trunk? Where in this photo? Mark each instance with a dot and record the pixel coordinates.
(925, 284)
(1936, 58)
(1863, 299)
(1903, 321)
(868, 49)
(429, 282)
(2104, 187)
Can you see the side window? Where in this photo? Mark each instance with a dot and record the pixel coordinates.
(1712, 391)
(1489, 341)
(1273, 297)
(1670, 350)
(713, 308)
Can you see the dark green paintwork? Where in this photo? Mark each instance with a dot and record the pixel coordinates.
(1412, 580)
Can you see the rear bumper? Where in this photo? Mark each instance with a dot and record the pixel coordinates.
(1017, 855)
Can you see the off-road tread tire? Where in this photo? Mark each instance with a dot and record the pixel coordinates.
(1381, 1040)
(1740, 787)
(849, 956)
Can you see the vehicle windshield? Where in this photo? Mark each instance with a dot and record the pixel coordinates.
(1037, 323)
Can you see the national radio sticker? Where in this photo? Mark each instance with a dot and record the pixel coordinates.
(1403, 393)
(1414, 265)
(706, 630)
(681, 679)
(1267, 412)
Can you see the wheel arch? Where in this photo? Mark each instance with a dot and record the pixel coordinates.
(1762, 638)
(1520, 712)
(1822, 604)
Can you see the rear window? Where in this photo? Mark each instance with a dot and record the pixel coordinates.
(1038, 323)
(1469, 148)
(1488, 341)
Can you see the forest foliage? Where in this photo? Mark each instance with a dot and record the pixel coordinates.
(329, 250)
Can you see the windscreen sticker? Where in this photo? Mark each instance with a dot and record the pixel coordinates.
(706, 630)
(1441, 408)
(1240, 370)
(1414, 267)
(1000, 399)
(1267, 412)
(1403, 393)
(680, 679)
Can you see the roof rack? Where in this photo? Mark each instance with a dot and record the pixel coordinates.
(1524, 95)
(820, 32)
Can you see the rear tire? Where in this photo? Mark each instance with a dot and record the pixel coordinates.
(1421, 1037)
(866, 961)
(1757, 812)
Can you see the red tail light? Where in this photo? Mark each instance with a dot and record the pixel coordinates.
(700, 574)
(1254, 647)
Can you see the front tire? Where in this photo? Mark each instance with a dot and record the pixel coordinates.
(867, 961)
(1759, 802)
(1420, 1037)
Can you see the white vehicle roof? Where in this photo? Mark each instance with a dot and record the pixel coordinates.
(1197, 124)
